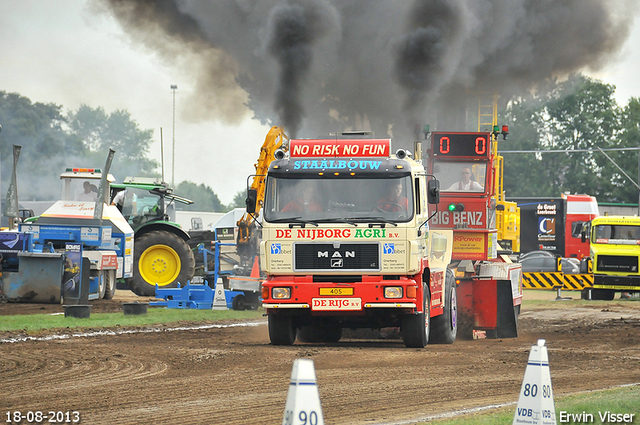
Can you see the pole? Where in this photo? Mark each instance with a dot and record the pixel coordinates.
(162, 154)
(1, 212)
(173, 152)
(639, 181)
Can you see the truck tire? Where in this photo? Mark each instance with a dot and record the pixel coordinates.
(109, 284)
(102, 283)
(603, 294)
(416, 327)
(163, 258)
(444, 328)
(281, 329)
(239, 302)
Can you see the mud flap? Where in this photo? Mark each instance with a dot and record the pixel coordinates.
(486, 305)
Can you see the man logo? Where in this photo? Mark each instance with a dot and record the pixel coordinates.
(336, 262)
(336, 254)
(276, 248)
(389, 248)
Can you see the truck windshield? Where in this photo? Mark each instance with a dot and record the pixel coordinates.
(616, 234)
(335, 200)
(461, 175)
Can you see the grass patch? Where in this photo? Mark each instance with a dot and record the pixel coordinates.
(33, 323)
(619, 400)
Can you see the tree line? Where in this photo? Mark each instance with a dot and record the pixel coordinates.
(560, 125)
(564, 123)
(53, 139)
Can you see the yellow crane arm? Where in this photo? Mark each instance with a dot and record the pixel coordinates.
(276, 139)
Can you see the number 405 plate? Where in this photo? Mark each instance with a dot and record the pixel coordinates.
(336, 291)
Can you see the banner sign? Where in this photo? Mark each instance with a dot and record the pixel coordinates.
(339, 148)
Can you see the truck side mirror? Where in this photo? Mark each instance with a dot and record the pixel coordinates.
(585, 232)
(252, 200)
(433, 191)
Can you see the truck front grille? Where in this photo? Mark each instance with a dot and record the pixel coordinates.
(336, 257)
(617, 263)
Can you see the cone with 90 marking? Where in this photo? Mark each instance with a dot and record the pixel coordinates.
(535, 405)
(303, 400)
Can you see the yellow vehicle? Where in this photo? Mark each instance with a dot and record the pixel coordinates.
(615, 253)
(247, 241)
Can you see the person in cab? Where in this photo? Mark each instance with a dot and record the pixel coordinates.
(394, 200)
(466, 182)
(307, 201)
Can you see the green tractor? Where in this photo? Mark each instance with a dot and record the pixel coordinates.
(161, 253)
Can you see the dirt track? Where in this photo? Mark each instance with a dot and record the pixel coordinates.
(232, 375)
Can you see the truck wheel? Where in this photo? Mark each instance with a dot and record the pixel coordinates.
(416, 327)
(109, 284)
(444, 328)
(102, 283)
(163, 258)
(281, 329)
(252, 300)
(239, 302)
(603, 294)
(332, 334)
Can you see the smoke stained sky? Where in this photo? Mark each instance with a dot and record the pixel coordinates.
(334, 65)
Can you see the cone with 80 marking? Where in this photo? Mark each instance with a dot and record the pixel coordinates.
(535, 405)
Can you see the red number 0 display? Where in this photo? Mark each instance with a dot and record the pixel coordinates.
(481, 145)
(444, 145)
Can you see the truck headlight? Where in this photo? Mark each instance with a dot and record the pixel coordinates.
(393, 291)
(281, 293)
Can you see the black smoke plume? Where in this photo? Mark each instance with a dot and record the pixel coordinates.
(316, 66)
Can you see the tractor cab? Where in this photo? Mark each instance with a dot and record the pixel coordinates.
(145, 199)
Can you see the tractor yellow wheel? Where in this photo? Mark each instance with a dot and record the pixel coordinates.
(163, 258)
(159, 264)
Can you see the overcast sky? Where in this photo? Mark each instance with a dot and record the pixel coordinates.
(66, 53)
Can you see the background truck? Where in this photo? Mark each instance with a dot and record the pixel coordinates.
(555, 224)
(162, 254)
(615, 255)
(470, 173)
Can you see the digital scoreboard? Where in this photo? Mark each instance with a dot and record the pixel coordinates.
(476, 145)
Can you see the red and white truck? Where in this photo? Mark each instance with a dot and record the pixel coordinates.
(346, 243)
(555, 224)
